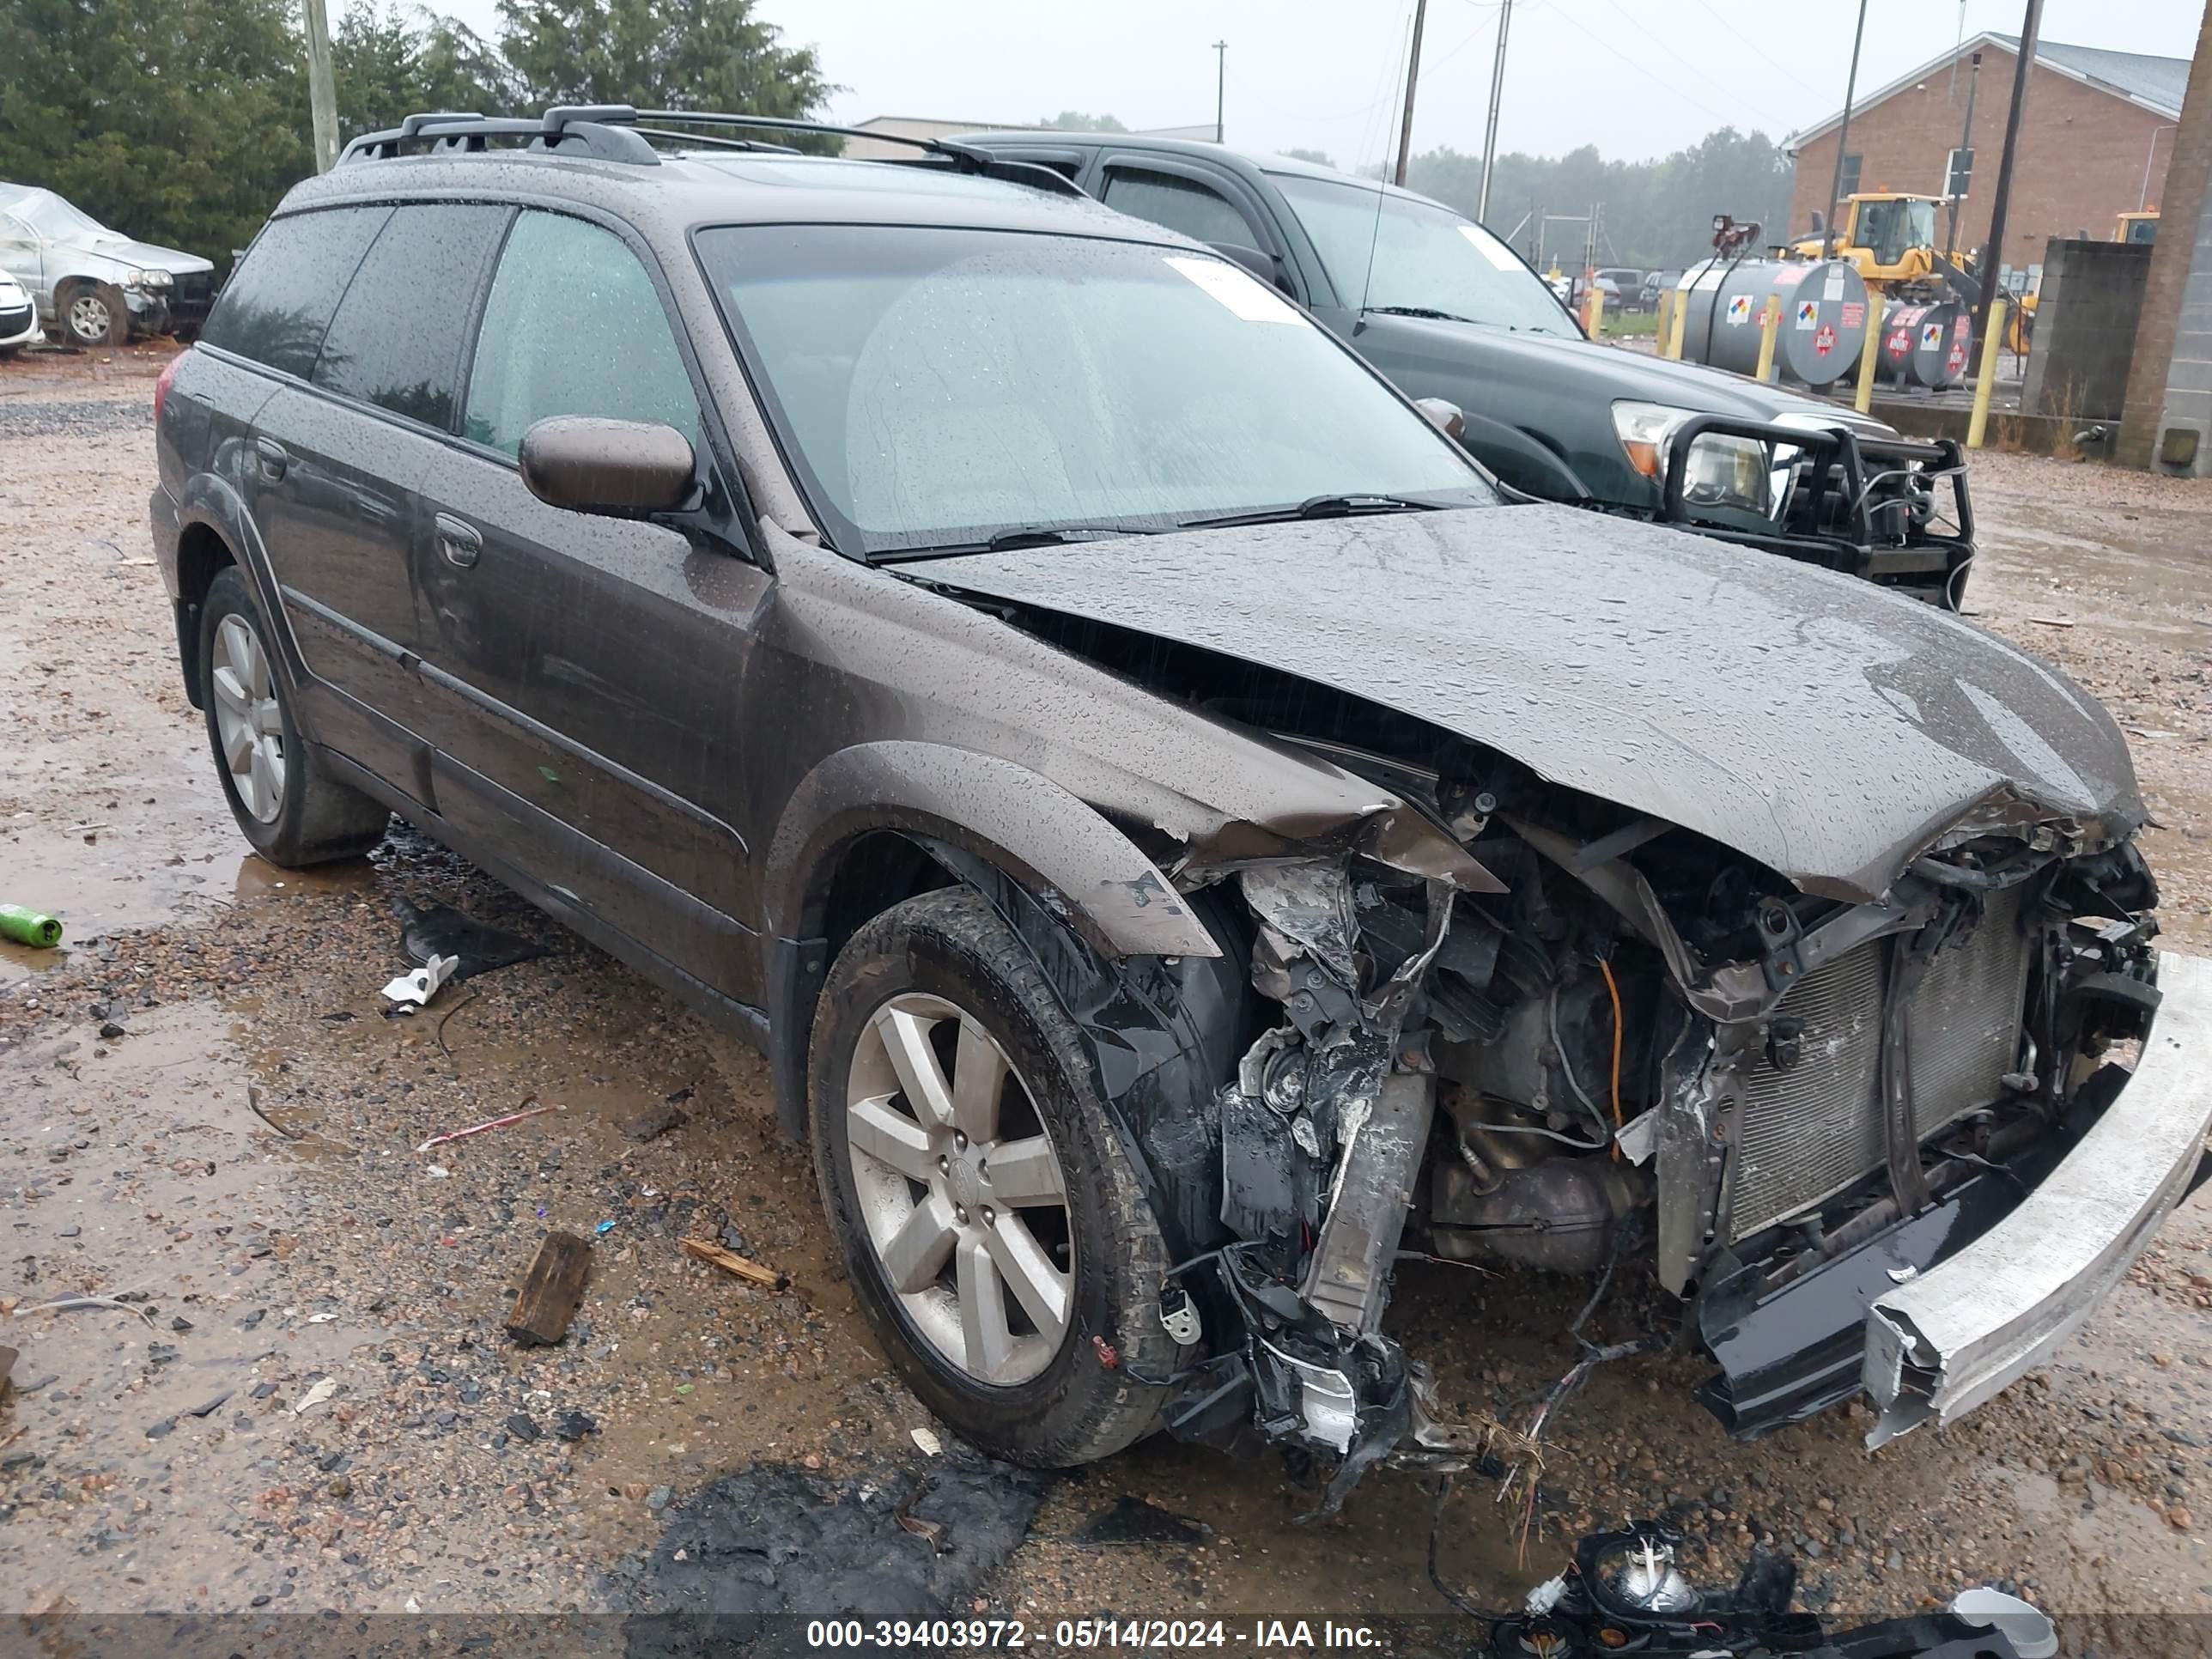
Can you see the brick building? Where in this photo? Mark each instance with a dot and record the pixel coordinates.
(2094, 143)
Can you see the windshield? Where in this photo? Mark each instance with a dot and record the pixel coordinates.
(1888, 229)
(938, 387)
(1425, 257)
(50, 216)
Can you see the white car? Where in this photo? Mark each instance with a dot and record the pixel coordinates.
(19, 317)
(92, 285)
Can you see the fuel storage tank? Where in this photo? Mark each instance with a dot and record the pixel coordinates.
(1824, 316)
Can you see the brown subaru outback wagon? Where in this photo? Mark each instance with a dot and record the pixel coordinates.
(1185, 837)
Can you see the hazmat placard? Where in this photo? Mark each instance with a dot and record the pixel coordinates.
(1739, 311)
(1825, 340)
(1809, 314)
(1931, 336)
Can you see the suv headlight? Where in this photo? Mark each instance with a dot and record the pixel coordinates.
(1722, 470)
(147, 279)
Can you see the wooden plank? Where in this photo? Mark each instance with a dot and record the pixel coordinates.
(8, 1357)
(735, 1265)
(551, 1291)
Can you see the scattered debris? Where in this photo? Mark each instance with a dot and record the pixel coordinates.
(928, 1531)
(416, 990)
(71, 1303)
(1132, 1520)
(650, 1126)
(253, 1105)
(441, 1032)
(551, 1291)
(8, 1357)
(203, 1409)
(525, 1428)
(315, 1396)
(492, 1123)
(26, 926)
(927, 1440)
(2051, 621)
(432, 932)
(574, 1425)
(603, 1228)
(735, 1266)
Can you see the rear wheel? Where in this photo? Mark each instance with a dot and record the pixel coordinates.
(94, 314)
(292, 813)
(997, 1236)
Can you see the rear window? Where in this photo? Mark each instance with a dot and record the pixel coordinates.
(277, 304)
(395, 341)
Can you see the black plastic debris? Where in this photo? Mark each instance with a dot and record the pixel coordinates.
(751, 1549)
(431, 931)
(1131, 1520)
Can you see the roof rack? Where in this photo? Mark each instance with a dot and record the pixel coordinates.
(616, 132)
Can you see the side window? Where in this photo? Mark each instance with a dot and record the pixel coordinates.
(397, 339)
(1200, 214)
(279, 300)
(573, 327)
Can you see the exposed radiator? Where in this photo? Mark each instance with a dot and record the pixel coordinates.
(1808, 1132)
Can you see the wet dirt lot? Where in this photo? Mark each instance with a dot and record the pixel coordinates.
(300, 1398)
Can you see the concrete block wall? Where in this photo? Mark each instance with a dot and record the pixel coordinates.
(2085, 328)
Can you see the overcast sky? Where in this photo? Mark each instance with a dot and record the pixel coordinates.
(1635, 77)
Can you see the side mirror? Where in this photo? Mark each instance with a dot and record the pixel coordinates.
(1446, 416)
(624, 469)
(1267, 267)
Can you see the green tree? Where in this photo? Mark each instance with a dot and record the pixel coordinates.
(389, 61)
(1074, 120)
(658, 54)
(181, 123)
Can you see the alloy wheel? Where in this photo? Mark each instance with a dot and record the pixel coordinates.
(89, 320)
(960, 1189)
(247, 718)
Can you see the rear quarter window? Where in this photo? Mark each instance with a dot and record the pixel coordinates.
(278, 303)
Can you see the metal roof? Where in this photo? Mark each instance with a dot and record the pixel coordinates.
(2152, 83)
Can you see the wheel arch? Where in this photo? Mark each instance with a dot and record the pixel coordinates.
(201, 555)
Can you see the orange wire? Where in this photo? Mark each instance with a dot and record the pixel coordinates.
(1614, 990)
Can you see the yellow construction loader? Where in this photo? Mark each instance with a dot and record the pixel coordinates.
(2137, 227)
(1890, 236)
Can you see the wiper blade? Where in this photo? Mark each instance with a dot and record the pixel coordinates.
(1317, 507)
(1016, 538)
(1429, 311)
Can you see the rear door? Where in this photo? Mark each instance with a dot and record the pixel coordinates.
(1201, 202)
(341, 450)
(589, 667)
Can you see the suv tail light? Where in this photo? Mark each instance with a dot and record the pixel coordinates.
(161, 386)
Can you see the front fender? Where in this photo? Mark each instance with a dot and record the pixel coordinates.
(1057, 847)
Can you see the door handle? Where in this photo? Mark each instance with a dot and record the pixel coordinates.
(459, 540)
(272, 457)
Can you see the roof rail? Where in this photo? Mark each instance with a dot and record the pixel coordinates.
(615, 132)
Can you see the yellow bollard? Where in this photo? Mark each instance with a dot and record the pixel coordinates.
(1978, 426)
(1665, 330)
(1681, 321)
(1594, 324)
(1870, 353)
(1770, 325)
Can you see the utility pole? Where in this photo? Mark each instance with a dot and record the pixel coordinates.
(1412, 75)
(1966, 144)
(1220, 82)
(1992, 259)
(322, 100)
(1490, 126)
(1842, 139)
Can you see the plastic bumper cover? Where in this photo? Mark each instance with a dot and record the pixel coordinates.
(1944, 1341)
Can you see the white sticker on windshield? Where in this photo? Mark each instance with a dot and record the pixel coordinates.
(1490, 247)
(1250, 298)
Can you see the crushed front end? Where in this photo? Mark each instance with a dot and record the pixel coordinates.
(1553, 1035)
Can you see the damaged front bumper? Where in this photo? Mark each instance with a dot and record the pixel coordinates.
(1942, 1342)
(1938, 1313)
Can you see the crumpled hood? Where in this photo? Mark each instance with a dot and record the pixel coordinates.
(1809, 720)
(143, 256)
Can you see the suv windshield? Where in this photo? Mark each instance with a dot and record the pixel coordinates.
(1426, 258)
(938, 388)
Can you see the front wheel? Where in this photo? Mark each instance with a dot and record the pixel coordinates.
(998, 1236)
(96, 314)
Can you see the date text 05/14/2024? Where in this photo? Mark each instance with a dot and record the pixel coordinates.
(1260, 1636)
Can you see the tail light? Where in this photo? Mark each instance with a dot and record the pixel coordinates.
(161, 386)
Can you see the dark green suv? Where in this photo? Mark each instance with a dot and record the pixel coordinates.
(1446, 310)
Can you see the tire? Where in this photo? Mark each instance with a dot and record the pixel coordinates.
(94, 314)
(945, 970)
(292, 813)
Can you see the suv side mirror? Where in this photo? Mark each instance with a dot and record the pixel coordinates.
(624, 469)
(1267, 267)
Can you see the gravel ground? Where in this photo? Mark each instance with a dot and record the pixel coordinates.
(305, 1400)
